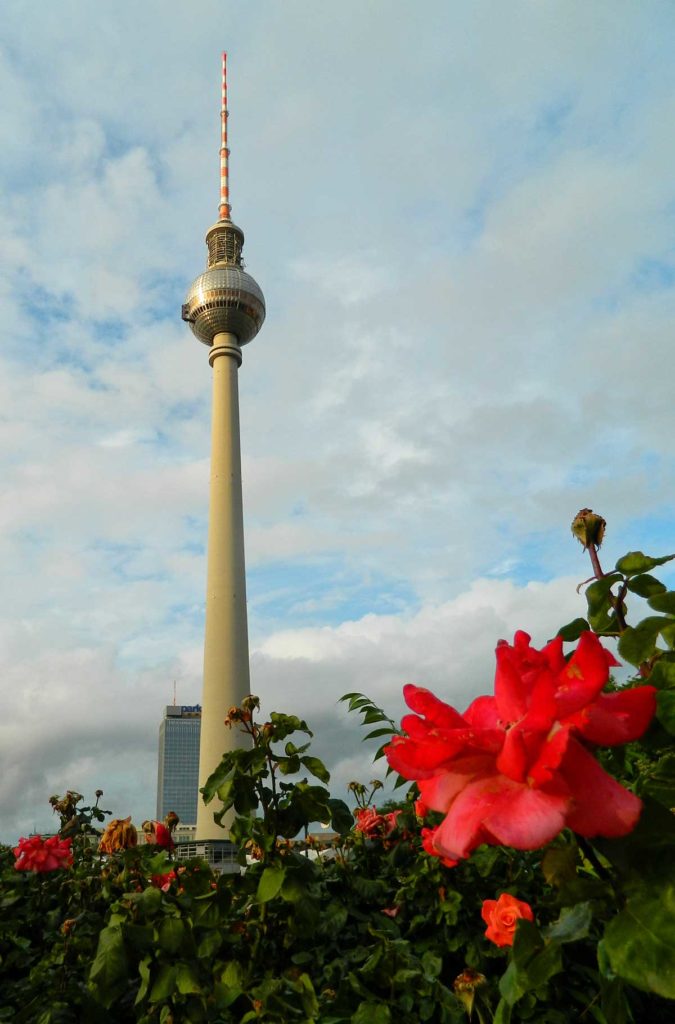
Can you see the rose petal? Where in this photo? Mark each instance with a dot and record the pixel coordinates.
(600, 805)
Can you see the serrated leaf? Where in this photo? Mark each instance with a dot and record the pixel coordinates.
(371, 1013)
(164, 984)
(664, 602)
(187, 981)
(636, 562)
(640, 942)
(270, 883)
(170, 934)
(341, 817)
(316, 767)
(638, 643)
(573, 924)
(645, 585)
(663, 675)
(108, 974)
(144, 971)
(573, 630)
(559, 865)
(665, 710)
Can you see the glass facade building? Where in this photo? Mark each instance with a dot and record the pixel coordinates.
(178, 766)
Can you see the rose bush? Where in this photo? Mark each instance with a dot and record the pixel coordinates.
(381, 923)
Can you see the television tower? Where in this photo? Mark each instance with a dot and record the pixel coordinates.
(225, 309)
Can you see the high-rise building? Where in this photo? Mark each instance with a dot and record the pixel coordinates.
(178, 764)
(225, 309)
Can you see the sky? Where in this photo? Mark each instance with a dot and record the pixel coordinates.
(462, 217)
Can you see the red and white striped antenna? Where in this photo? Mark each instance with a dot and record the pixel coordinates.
(224, 208)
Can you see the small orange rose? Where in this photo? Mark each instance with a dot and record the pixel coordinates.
(501, 917)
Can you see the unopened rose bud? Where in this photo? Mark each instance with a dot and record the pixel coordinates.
(588, 528)
(98, 794)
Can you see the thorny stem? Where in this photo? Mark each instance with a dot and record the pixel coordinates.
(595, 561)
(616, 602)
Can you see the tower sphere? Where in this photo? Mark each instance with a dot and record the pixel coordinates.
(224, 299)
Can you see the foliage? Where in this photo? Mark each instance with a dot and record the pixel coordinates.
(366, 926)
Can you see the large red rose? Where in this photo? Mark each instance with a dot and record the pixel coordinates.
(38, 854)
(513, 769)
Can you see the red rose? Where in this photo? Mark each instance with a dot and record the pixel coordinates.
(37, 854)
(158, 834)
(513, 769)
(371, 824)
(501, 917)
(163, 882)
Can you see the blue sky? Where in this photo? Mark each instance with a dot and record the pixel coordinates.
(464, 227)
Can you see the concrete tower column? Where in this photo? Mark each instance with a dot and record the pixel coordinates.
(226, 666)
(225, 309)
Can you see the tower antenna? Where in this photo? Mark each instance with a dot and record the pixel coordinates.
(174, 693)
(224, 208)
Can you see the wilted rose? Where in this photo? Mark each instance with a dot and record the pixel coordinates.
(119, 834)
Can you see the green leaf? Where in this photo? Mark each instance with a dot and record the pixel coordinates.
(573, 630)
(663, 675)
(503, 1013)
(270, 883)
(376, 733)
(600, 601)
(233, 975)
(217, 778)
(659, 781)
(226, 793)
(433, 965)
(664, 602)
(144, 971)
(341, 818)
(559, 865)
(372, 1013)
(533, 963)
(150, 901)
(640, 942)
(316, 767)
(647, 851)
(638, 643)
(635, 563)
(108, 974)
(170, 934)
(645, 585)
(284, 725)
(665, 710)
(573, 924)
(165, 983)
(187, 981)
(668, 634)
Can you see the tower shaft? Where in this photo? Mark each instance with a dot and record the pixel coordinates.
(226, 665)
